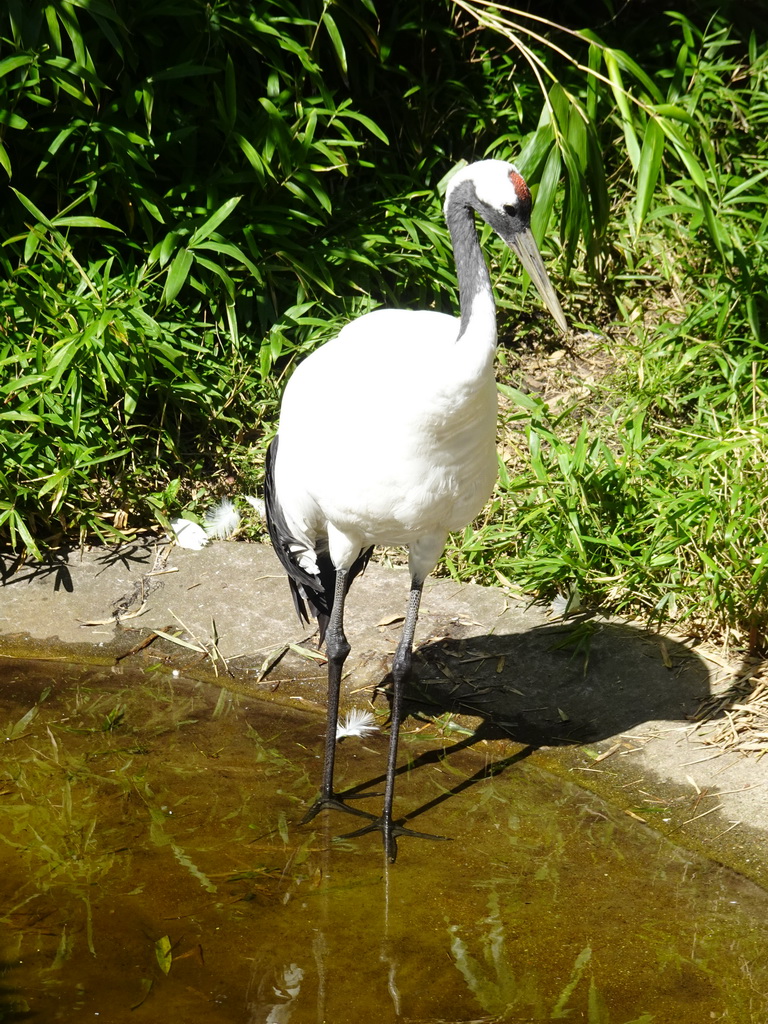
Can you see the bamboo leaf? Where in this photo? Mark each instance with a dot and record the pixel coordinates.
(622, 102)
(648, 174)
(336, 41)
(208, 227)
(181, 642)
(546, 194)
(12, 120)
(594, 60)
(31, 208)
(177, 274)
(84, 222)
(19, 60)
(20, 727)
(368, 123)
(186, 70)
(598, 186)
(536, 150)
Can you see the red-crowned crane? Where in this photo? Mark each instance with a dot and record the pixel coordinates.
(387, 435)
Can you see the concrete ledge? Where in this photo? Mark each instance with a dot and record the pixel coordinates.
(604, 703)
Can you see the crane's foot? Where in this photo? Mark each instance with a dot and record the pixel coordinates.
(390, 831)
(333, 803)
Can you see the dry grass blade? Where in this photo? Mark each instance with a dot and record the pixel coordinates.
(737, 719)
(180, 642)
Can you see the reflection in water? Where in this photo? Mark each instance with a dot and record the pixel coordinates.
(498, 983)
(151, 868)
(388, 947)
(285, 988)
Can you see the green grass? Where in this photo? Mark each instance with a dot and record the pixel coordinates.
(664, 524)
(189, 217)
(656, 505)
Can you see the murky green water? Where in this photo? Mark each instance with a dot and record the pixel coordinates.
(151, 870)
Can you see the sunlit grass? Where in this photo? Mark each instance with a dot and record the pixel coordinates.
(151, 312)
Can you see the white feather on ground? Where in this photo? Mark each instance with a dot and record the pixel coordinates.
(189, 534)
(567, 604)
(356, 723)
(222, 520)
(257, 504)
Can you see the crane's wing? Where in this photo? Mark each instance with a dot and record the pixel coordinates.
(312, 593)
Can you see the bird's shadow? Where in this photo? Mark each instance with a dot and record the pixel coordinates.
(576, 681)
(568, 682)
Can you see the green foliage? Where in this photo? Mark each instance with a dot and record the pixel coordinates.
(91, 377)
(203, 192)
(168, 120)
(658, 507)
(667, 525)
(184, 222)
(180, 164)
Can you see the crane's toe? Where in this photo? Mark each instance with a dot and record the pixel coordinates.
(390, 831)
(334, 803)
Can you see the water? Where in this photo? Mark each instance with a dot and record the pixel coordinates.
(151, 869)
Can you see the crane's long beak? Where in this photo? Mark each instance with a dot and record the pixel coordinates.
(523, 243)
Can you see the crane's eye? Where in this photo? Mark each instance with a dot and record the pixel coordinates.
(511, 211)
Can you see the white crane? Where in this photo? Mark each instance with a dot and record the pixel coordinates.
(387, 435)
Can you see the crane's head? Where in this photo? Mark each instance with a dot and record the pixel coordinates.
(498, 192)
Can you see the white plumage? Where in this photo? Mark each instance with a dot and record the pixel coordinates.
(408, 450)
(387, 436)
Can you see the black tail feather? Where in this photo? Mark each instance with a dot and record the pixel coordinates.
(311, 593)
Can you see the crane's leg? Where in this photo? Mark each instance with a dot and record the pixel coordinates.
(401, 669)
(337, 649)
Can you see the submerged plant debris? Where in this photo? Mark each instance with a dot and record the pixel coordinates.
(152, 867)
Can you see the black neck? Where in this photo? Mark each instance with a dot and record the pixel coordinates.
(471, 268)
